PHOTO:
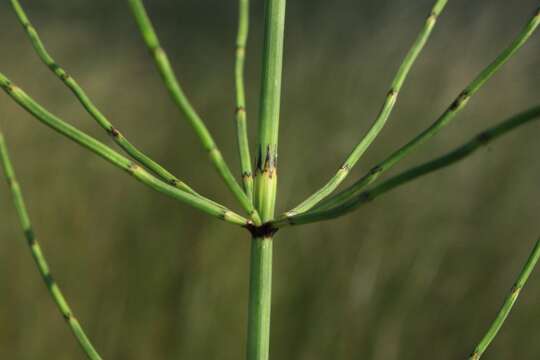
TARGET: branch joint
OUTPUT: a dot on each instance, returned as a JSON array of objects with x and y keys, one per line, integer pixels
[{"x": 266, "y": 230}]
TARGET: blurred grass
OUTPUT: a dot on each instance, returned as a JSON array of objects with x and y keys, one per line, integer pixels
[{"x": 419, "y": 272}]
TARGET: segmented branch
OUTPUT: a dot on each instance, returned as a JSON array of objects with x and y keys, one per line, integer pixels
[
  {"x": 39, "y": 258},
  {"x": 380, "y": 121},
  {"x": 455, "y": 107},
  {"x": 180, "y": 99},
  {"x": 91, "y": 108},
  {"x": 40, "y": 113},
  {"x": 508, "y": 303},
  {"x": 480, "y": 140},
  {"x": 241, "y": 114}
]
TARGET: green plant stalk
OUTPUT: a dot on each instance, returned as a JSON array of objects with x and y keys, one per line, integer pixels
[
  {"x": 241, "y": 114},
  {"x": 175, "y": 90},
  {"x": 39, "y": 258},
  {"x": 260, "y": 294},
  {"x": 40, "y": 113},
  {"x": 457, "y": 105},
  {"x": 480, "y": 140},
  {"x": 382, "y": 117},
  {"x": 508, "y": 303},
  {"x": 266, "y": 174},
  {"x": 260, "y": 299}
]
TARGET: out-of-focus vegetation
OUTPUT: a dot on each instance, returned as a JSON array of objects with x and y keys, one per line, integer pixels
[{"x": 417, "y": 274}]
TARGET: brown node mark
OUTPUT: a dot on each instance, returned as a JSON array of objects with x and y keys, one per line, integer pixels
[
  {"x": 114, "y": 132},
  {"x": 462, "y": 98}
]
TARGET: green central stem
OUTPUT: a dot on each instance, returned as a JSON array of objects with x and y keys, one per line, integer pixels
[
  {"x": 260, "y": 299},
  {"x": 260, "y": 291}
]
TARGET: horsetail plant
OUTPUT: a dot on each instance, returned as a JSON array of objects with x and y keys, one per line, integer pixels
[{"x": 257, "y": 192}]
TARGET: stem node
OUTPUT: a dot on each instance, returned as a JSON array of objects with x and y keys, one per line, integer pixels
[{"x": 266, "y": 230}]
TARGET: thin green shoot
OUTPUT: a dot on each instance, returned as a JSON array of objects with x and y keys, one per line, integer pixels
[
  {"x": 508, "y": 303},
  {"x": 241, "y": 112},
  {"x": 41, "y": 263}
]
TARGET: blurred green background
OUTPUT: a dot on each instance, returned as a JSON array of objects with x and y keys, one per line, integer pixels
[{"x": 418, "y": 274}]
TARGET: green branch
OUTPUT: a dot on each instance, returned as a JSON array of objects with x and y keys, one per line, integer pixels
[
  {"x": 175, "y": 90},
  {"x": 241, "y": 115},
  {"x": 39, "y": 258},
  {"x": 91, "y": 108},
  {"x": 40, "y": 113},
  {"x": 457, "y": 105},
  {"x": 409, "y": 175},
  {"x": 508, "y": 303},
  {"x": 383, "y": 116}
]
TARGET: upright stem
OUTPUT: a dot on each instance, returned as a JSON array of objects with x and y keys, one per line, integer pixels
[
  {"x": 260, "y": 299},
  {"x": 260, "y": 293},
  {"x": 266, "y": 175}
]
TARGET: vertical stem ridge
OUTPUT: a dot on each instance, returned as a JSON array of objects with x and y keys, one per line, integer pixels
[
  {"x": 39, "y": 258},
  {"x": 241, "y": 113}
]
